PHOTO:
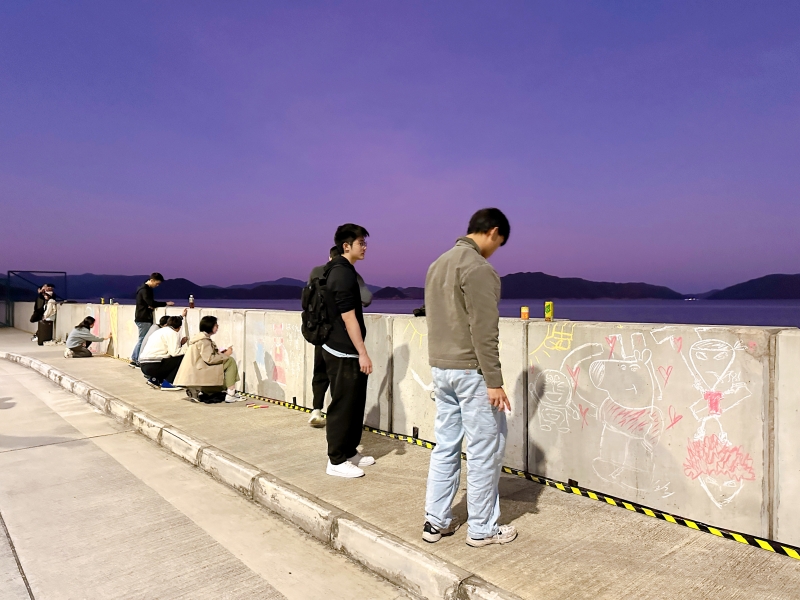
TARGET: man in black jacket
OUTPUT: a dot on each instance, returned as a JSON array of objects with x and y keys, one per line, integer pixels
[
  {"x": 145, "y": 305},
  {"x": 319, "y": 378},
  {"x": 346, "y": 358}
]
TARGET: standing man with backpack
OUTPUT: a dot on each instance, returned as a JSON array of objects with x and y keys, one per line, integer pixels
[
  {"x": 145, "y": 307},
  {"x": 319, "y": 379},
  {"x": 333, "y": 318},
  {"x": 462, "y": 292}
]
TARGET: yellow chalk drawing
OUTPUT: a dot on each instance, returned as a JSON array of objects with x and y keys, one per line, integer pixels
[
  {"x": 416, "y": 333},
  {"x": 558, "y": 339}
]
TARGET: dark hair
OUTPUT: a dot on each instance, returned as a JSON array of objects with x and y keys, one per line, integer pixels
[
  {"x": 334, "y": 253},
  {"x": 156, "y": 276},
  {"x": 347, "y": 234},
  {"x": 162, "y": 322},
  {"x": 48, "y": 285},
  {"x": 207, "y": 324},
  {"x": 175, "y": 322},
  {"x": 87, "y": 323},
  {"x": 487, "y": 219}
]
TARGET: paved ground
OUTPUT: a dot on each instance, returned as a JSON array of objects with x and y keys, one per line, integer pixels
[
  {"x": 96, "y": 511},
  {"x": 568, "y": 546}
]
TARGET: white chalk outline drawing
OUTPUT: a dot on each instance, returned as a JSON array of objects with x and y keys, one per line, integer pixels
[
  {"x": 711, "y": 455},
  {"x": 631, "y": 425},
  {"x": 553, "y": 392}
]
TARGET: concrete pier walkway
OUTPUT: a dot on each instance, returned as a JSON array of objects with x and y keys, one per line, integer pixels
[{"x": 568, "y": 546}]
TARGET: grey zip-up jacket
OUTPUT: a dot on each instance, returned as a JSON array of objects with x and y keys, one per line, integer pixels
[{"x": 462, "y": 292}]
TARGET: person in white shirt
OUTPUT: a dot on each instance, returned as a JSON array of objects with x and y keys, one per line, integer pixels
[
  {"x": 162, "y": 322},
  {"x": 163, "y": 354},
  {"x": 44, "y": 332}
]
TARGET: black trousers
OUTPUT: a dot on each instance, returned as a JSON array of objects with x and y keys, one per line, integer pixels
[
  {"x": 346, "y": 413},
  {"x": 164, "y": 370},
  {"x": 44, "y": 332},
  {"x": 319, "y": 381}
]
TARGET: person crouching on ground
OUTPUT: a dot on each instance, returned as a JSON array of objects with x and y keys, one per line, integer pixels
[
  {"x": 346, "y": 358},
  {"x": 462, "y": 292},
  {"x": 208, "y": 369},
  {"x": 162, "y": 356},
  {"x": 80, "y": 338},
  {"x": 319, "y": 378}
]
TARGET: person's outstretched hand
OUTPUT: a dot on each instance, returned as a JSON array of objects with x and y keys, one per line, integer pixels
[{"x": 185, "y": 312}]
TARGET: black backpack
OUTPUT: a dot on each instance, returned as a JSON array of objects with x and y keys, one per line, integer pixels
[{"x": 317, "y": 323}]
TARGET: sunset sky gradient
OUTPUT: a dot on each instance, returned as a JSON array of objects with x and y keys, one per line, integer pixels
[{"x": 225, "y": 141}]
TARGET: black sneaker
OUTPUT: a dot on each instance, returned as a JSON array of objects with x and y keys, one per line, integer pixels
[
  {"x": 133, "y": 364},
  {"x": 431, "y": 534},
  {"x": 154, "y": 383},
  {"x": 214, "y": 398}
]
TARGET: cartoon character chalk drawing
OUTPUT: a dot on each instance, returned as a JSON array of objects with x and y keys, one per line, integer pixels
[
  {"x": 553, "y": 391},
  {"x": 721, "y": 468},
  {"x": 710, "y": 362},
  {"x": 632, "y": 424}
]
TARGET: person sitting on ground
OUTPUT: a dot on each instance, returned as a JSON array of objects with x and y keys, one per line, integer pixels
[
  {"x": 207, "y": 369},
  {"x": 80, "y": 338},
  {"x": 163, "y": 355},
  {"x": 319, "y": 378}
]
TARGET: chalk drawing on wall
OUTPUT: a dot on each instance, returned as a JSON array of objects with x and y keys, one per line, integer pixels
[
  {"x": 631, "y": 421},
  {"x": 712, "y": 459},
  {"x": 558, "y": 339},
  {"x": 553, "y": 392}
]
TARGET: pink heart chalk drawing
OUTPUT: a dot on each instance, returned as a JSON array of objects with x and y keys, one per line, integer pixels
[
  {"x": 673, "y": 417},
  {"x": 752, "y": 345},
  {"x": 677, "y": 343},
  {"x": 665, "y": 373},
  {"x": 574, "y": 375},
  {"x": 611, "y": 340}
]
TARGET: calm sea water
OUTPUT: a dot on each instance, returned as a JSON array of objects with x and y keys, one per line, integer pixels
[{"x": 784, "y": 313}]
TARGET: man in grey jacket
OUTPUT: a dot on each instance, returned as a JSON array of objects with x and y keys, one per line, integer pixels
[{"x": 462, "y": 292}]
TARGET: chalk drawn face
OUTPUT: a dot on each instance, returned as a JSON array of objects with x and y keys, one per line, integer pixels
[
  {"x": 553, "y": 388},
  {"x": 721, "y": 490},
  {"x": 628, "y": 382},
  {"x": 712, "y": 359}
]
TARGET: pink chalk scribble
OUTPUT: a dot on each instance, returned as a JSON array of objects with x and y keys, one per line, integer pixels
[
  {"x": 713, "y": 398},
  {"x": 584, "y": 412},
  {"x": 666, "y": 373},
  {"x": 712, "y": 457},
  {"x": 673, "y": 417},
  {"x": 633, "y": 421},
  {"x": 612, "y": 343},
  {"x": 574, "y": 376}
]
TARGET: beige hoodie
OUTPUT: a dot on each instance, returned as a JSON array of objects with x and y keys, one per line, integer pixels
[
  {"x": 462, "y": 292},
  {"x": 202, "y": 365}
]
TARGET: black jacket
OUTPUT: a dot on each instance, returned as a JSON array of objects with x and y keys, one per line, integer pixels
[
  {"x": 345, "y": 295},
  {"x": 145, "y": 303}
]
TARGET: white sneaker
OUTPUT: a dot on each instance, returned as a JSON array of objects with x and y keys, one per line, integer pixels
[
  {"x": 346, "y": 469},
  {"x": 68, "y": 353},
  {"x": 316, "y": 420},
  {"x": 361, "y": 461},
  {"x": 50, "y": 343},
  {"x": 232, "y": 397},
  {"x": 506, "y": 534}
]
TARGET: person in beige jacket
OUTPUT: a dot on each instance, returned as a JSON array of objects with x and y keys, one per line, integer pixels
[{"x": 208, "y": 369}]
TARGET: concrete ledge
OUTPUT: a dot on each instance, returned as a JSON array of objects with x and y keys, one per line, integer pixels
[
  {"x": 475, "y": 588},
  {"x": 120, "y": 410},
  {"x": 82, "y": 389},
  {"x": 399, "y": 562},
  {"x": 148, "y": 426},
  {"x": 97, "y": 399},
  {"x": 310, "y": 514},
  {"x": 181, "y": 444},
  {"x": 228, "y": 469}
]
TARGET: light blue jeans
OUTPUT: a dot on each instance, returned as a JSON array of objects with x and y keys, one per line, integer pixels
[
  {"x": 462, "y": 408},
  {"x": 143, "y": 329}
]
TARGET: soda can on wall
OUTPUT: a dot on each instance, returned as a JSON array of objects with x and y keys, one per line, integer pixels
[
  {"x": 524, "y": 313},
  {"x": 548, "y": 311}
]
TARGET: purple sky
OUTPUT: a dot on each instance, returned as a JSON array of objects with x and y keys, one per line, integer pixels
[{"x": 225, "y": 141}]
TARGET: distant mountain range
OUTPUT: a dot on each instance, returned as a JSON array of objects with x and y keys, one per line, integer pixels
[{"x": 514, "y": 286}]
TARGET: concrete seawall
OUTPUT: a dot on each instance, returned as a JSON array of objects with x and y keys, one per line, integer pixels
[{"x": 696, "y": 421}]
